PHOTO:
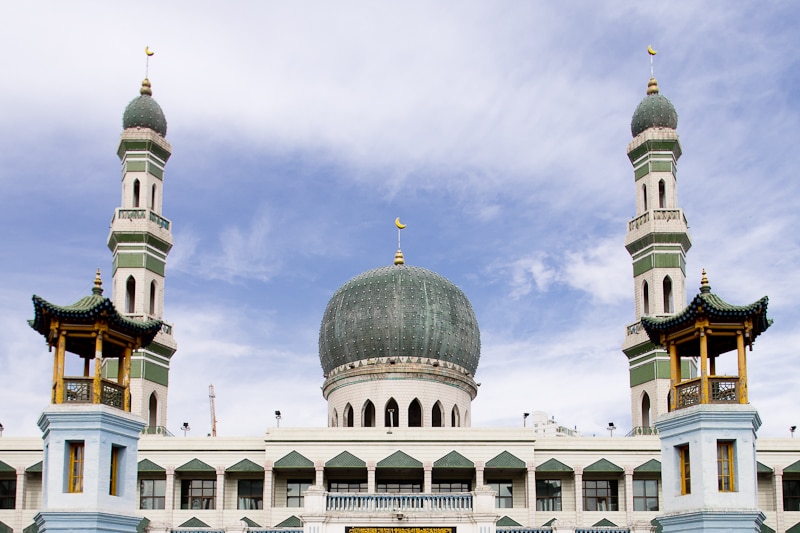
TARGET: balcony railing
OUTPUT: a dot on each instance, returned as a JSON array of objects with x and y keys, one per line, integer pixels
[
  {"x": 142, "y": 214},
  {"x": 722, "y": 389},
  {"x": 642, "y": 430},
  {"x": 157, "y": 430},
  {"x": 524, "y": 530},
  {"x": 658, "y": 214},
  {"x": 399, "y": 502},
  {"x": 80, "y": 390}
]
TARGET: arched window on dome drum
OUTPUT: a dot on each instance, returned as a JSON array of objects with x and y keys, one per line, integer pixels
[
  {"x": 153, "y": 198},
  {"x": 644, "y": 195},
  {"x": 437, "y": 415},
  {"x": 645, "y": 410},
  {"x": 335, "y": 419},
  {"x": 136, "y": 193},
  {"x": 645, "y": 298},
  {"x": 415, "y": 414},
  {"x": 153, "y": 298},
  {"x": 348, "y": 416},
  {"x": 662, "y": 195},
  {"x": 152, "y": 411},
  {"x": 667, "y": 294},
  {"x": 391, "y": 414},
  {"x": 368, "y": 415},
  {"x": 455, "y": 417},
  {"x": 130, "y": 295}
]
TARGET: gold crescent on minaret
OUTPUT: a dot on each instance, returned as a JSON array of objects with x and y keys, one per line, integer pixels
[
  {"x": 650, "y": 50},
  {"x": 148, "y": 51},
  {"x": 399, "y": 224}
]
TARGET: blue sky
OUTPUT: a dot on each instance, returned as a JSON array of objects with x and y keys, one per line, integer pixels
[{"x": 496, "y": 130}]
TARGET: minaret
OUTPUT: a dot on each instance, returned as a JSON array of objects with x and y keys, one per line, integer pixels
[
  {"x": 140, "y": 239},
  {"x": 657, "y": 240}
]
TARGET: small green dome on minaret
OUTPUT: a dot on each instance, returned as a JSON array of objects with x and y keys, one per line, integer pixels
[
  {"x": 654, "y": 111},
  {"x": 144, "y": 112}
]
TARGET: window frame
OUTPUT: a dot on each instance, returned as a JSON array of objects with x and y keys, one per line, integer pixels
[
  {"x": 450, "y": 486},
  {"x": 404, "y": 486},
  {"x": 77, "y": 458},
  {"x": 726, "y": 465},
  {"x": 502, "y": 500},
  {"x": 152, "y": 496},
  {"x": 597, "y": 491},
  {"x": 8, "y": 493},
  {"x": 113, "y": 476},
  {"x": 791, "y": 495},
  {"x": 640, "y": 502},
  {"x": 188, "y": 489},
  {"x": 685, "y": 468},
  {"x": 297, "y": 500},
  {"x": 548, "y": 499},
  {"x": 253, "y": 497}
]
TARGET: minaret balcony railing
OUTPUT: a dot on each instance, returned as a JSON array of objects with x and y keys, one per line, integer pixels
[
  {"x": 657, "y": 214},
  {"x": 165, "y": 327},
  {"x": 141, "y": 214},
  {"x": 80, "y": 390},
  {"x": 722, "y": 389},
  {"x": 367, "y": 503}
]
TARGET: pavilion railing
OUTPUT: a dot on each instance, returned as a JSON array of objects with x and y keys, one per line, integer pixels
[
  {"x": 349, "y": 502},
  {"x": 81, "y": 390},
  {"x": 722, "y": 389}
]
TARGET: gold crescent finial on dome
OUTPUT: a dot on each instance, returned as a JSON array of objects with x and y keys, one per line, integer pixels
[{"x": 398, "y": 257}]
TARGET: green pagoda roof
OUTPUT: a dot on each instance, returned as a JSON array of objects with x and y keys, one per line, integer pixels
[
  {"x": 194, "y": 522},
  {"x": 553, "y": 465},
  {"x": 653, "y": 465},
  {"x": 146, "y": 465},
  {"x": 506, "y": 521},
  {"x": 709, "y": 305},
  {"x": 195, "y": 465},
  {"x": 89, "y": 310},
  {"x": 604, "y": 466}
]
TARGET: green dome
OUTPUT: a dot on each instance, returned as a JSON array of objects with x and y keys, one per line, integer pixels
[
  {"x": 399, "y": 311},
  {"x": 655, "y": 111},
  {"x": 144, "y": 112}
]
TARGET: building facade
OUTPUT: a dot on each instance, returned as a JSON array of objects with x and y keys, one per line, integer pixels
[{"x": 399, "y": 347}]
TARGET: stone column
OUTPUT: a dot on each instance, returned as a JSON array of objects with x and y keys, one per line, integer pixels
[
  {"x": 428, "y": 477},
  {"x": 629, "y": 494},
  {"x": 220, "y": 496},
  {"x": 371, "y": 477},
  {"x": 530, "y": 485},
  {"x": 169, "y": 491},
  {"x": 267, "y": 496},
  {"x": 20, "y": 496},
  {"x": 319, "y": 474},
  {"x": 579, "y": 496},
  {"x": 778, "y": 480},
  {"x": 479, "y": 467}
]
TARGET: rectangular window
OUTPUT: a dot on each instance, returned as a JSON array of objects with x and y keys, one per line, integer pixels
[
  {"x": 294, "y": 492},
  {"x": 645, "y": 495},
  {"x": 198, "y": 494},
  {"x": 76, "y": 458},
  {"x": 450, "y": 486},
  {"x": 251, "y": 494},
  {"x": 399, "y": 487},
  {"x": 504, "y": 491},
  {"x": 548, "y": 494},
  {"x": 600, "y": 495},
  {"x": 8, "y": 493},
  {"x": 791, "y": 494},
  {"x": 685, "y": 466},
  {"x": 151, "y": 493},
  {"x": 725, "y": 466},
  {"x": 114, "y": 474},
  {"x": 346, "y": 486}
]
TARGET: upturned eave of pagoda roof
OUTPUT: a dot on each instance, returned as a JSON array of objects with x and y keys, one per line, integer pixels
[
  {"x": 90, "y": 310},
  {"x": 713, "y": 308}
]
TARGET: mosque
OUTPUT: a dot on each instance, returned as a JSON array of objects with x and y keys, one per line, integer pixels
[{"x": 399, "y": 346}]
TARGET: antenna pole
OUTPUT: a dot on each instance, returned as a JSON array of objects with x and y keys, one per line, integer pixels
[{"x": 211, "y": 397}]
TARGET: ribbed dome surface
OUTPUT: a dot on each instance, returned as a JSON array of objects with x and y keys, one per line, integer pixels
[
  {"x": 654, "y": 111},
  {"x": 144, "y": 112},
  {"x": 399, "y": 311}
]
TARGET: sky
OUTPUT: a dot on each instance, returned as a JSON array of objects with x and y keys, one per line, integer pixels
[{"x": 496, "y": 131}]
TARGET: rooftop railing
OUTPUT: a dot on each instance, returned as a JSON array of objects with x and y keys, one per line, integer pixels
[{"x": 356, "y": 502}]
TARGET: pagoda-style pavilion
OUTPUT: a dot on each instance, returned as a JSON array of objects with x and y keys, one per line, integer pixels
[
  {"x": 707, "y": 328},
  {"x": 91, "y": 328}
]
